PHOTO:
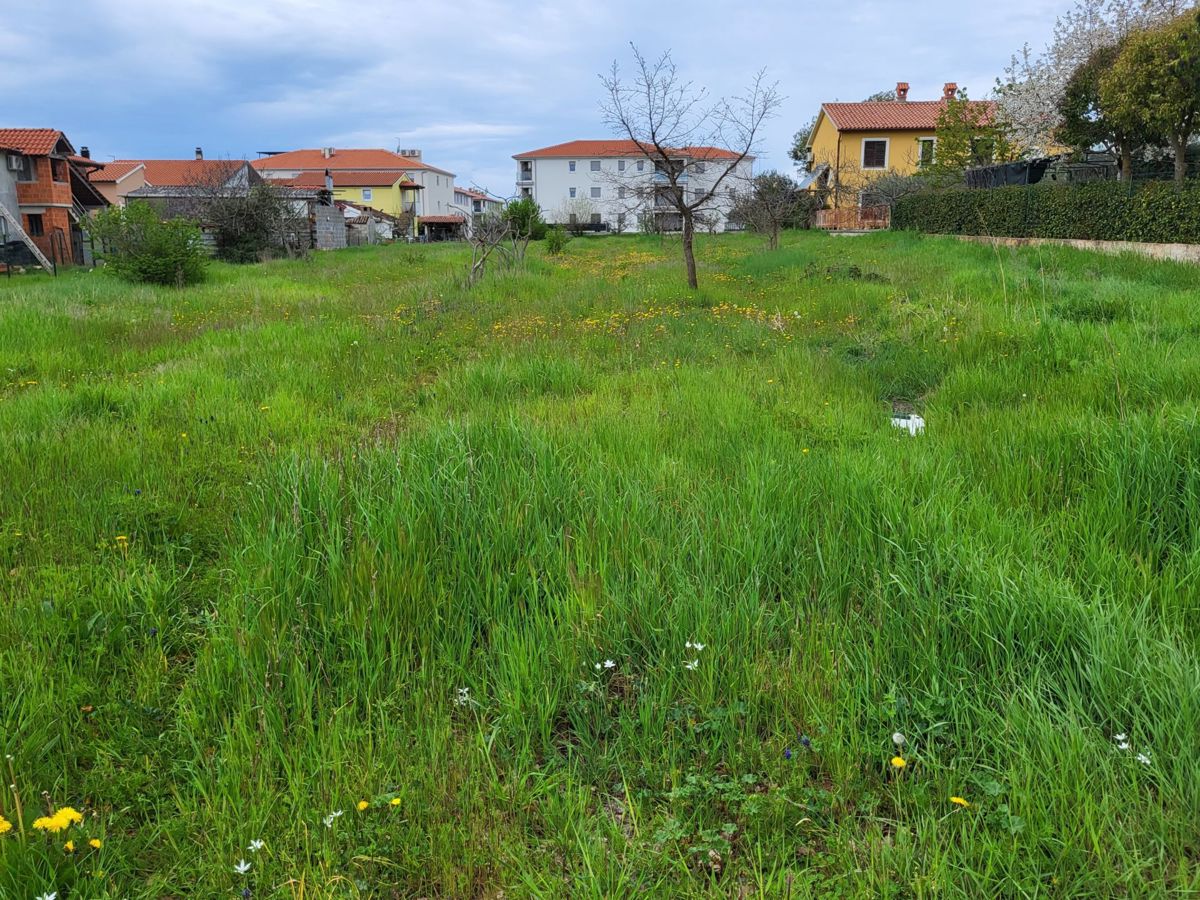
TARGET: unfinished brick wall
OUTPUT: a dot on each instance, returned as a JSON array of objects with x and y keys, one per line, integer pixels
[{"x": 54, "y": 199}]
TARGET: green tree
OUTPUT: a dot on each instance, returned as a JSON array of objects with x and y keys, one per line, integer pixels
[
  {"x": 1154, "y": 85},
  {"x": 1083, "y": 123},
  {"x": 968, "y": 135},
  {"x": 800, "y": 152},
  {"x": 138, "y": 246}
]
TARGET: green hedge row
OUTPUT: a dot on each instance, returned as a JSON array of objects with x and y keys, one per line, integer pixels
[{"x": 1102, "y": 211}]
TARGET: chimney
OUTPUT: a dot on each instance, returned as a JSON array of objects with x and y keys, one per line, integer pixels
[
  {"x": 199, "y": 153},
  {"x": 85, "y": 152},
  {"x": 901, "y": 91},
  {"x": 949, "y": 90},
  {"x": 328, "y": 181},
  {"x": 327, "y": 152}
]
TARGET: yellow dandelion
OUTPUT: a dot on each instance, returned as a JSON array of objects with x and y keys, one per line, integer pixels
[
  {"x": 805, "y": 450},
  {"x": 70, "y": 815},
  {"x": 362, "y": 804},
  {"x": 69, "y": 846},
  {"x": 395, "y": 801},
  {"x": 5, "y": 825},
  {"x": 959, "y": 801},
  {"x": 95, "y": 843},
  {"x": 48, "y": 823},
  {"x": 898, "y": 762}
]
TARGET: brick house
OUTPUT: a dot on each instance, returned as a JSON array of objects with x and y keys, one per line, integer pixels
[{"x": 45, "y": 193}]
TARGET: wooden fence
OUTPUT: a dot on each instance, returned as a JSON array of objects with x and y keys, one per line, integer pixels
[{"x": 866, "y": 218}]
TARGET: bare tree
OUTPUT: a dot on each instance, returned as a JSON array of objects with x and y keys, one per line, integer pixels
[
  {"x": 772, "y": 202},
  {"x": 489, "y": 236},
  {"x": 679, "y": 128},
  {"x": 576, "y": 214}
]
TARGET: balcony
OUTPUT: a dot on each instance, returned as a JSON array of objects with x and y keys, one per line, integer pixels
[
  {"x": 525, "y": 176},
  {"x": 661, "y": 178}
]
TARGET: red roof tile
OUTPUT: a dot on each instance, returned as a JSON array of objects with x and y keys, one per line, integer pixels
[
  {"x": 32, "y": 141},
  {"x": 610, "y": 148},
  {"x": 352, "y": 178},
  {"x": 342, "y": 159},
  {"x": 114, "y": 171},
  {"x": 442, "y": 220},
  {"x": 891, "y": 115}
]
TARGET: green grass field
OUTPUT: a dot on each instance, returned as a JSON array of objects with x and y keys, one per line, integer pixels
[{"x": 337, "y": 533}]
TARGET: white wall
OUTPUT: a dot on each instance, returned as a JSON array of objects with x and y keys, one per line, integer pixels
[
  {"x": 553, "y": 179},
  {"x": 8, "y": 186}
]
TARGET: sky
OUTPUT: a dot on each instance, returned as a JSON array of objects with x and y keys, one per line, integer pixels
[{"x": 468, "y": 83}]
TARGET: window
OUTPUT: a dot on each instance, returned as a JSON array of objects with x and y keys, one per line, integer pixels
[
  {"x": 595, "y": 218},
  {"x": 698, "y": 168},
  {"x": 368, "y": 193},
  {"x": 525, "y": 192},
  {"x": 34, "y": 221},
  {"x": 641, "y": 165},
  {"x": 620, "y": 221},
  {"x": 571, "y": 166},
  {"x": 595, "y": 165},
  {"x": 621, "y": 193},
  {"x": 874, "y": 153},
  {"x": 620, "y": 165},
  {"x": 925, "y": 149},
  {"x": 573, "y": 190},
  {"x": 27, "y": 170},
  {"x": 596, "y": 193},
  {"x": 58, "y": 169}
]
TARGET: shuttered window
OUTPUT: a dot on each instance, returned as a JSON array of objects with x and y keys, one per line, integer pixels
[{"x": 874, "y": 154}]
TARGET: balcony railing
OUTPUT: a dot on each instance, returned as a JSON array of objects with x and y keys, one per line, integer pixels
[{"x": 524, "y": 176}]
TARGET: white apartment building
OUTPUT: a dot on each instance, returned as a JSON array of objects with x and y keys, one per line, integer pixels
[{"x": 611, "y": 185}]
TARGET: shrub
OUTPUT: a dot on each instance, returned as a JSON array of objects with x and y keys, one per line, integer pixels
[
  {"x": 138, "y": 246},
  {"x": 1104, "y": 211},
  {"x": 250, "y": 225},
  {"x": 556, "y": 239},
  {"x": 524, "y": 217}
]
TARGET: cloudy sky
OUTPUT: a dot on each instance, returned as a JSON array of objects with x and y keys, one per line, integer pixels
[{"x": 470, "y": 82}]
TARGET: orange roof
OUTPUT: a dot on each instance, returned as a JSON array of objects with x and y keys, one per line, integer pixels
[
  {"x": 357, "y": 160},
  {"x": 32, "y": 141},
  {"x": 442, "y": 220},
  {"x": 172, "y": 172},
  {"x": 112, "y": 172},
  {"x": 891, "y": 115},
  {"x": 352, "y": 178},
  {"x": 474, "y": 195},
  {"x": 609, "y": 148}
]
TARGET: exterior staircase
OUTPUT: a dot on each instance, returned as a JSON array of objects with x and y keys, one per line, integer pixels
[{"x": 15, "y": 230}]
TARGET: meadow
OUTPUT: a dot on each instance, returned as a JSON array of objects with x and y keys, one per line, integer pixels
[{"x": 578, "y": 584}]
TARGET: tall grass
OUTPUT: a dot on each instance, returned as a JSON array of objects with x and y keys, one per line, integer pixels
[{"x": 330, "y": 531}]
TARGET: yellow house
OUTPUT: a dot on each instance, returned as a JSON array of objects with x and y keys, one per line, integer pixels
[
  {"x": 389, "y": 191},
  {"x": 852, "y": 144}
]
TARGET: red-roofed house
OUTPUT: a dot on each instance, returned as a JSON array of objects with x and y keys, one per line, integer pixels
[
  {"x": 44, "y": 196},
  {"x": 612, "y": 184},
  {"x": 371, "y": 176},
  {"x": 852, "y": 143}
]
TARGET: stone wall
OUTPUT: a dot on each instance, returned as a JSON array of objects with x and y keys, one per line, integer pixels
[{"x": 329, "y": 228}]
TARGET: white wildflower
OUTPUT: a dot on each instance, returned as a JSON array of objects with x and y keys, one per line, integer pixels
[
  {"x": 52, "y": 895},
  {"x": 898, "y": 739},
  {"x": 463, "y": 698},
  {"x": 255, "y": 846},
  {"x": 1124, "y": 745},
  {"x": 691, "y": 664},
  {"x": 328, "y": 820},
  {"x": 1119, "y": 738},
  {"x": 610, "y": 664},
  {"x": 693, "y": 645},
  {"x": 1143, "y": 759},
  {"x": 242, "y": 867}
]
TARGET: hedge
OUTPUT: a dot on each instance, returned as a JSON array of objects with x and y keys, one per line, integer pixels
[{"x": 1101, "y": 211}]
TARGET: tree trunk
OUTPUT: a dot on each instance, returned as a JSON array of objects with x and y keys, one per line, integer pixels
[
  {"x": 689, "y": 256},
  {"x": 1126, "y": 160},
  {"x": 1179, "y": 148}
]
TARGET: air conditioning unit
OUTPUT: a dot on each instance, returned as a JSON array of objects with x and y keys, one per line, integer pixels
[{"x": 14, "y": 164}]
